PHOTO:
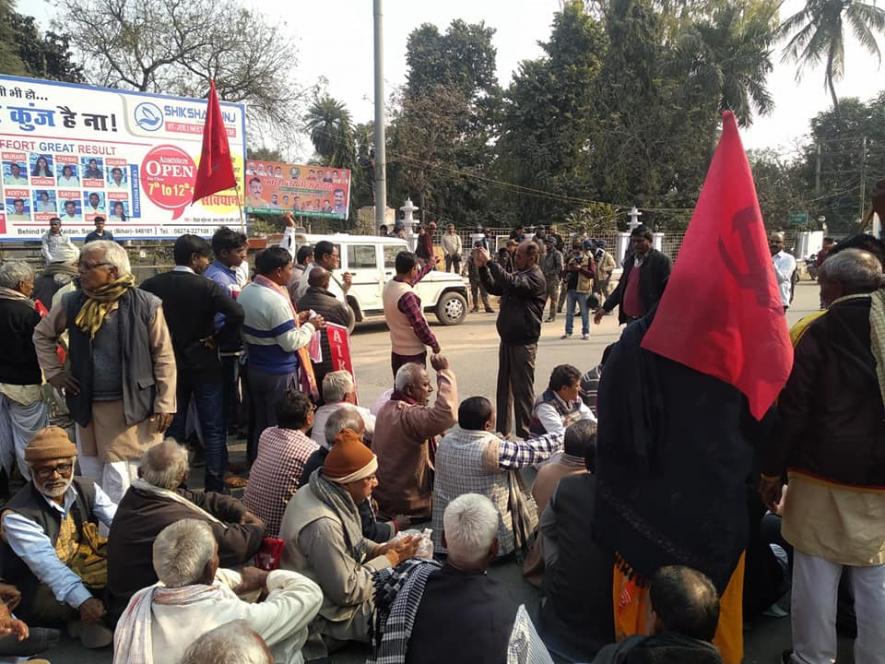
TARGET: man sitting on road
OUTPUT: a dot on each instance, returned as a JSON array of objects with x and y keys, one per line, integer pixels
[
  {"x": 410, "y": 334},
  {"x": 453, "y": 612},
  {"x": 55, "y": 559},
  {"x": 473, "y": 459},
  {"x": 158, "y": 499},
  {"x": 579, "y": 446},
  {"x": 560, "y": 405},
  {"x": 405, "y": 431},
  {"x": 324, "y": 540},
  {"x": 282, "y": 452},
  {"x": 685, "y": 606},
  {"x": 339, "y": 391},
  {"x": 194, "y": 596}
]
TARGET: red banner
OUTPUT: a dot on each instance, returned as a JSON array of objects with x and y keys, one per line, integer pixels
[{"x": 339, "y": 348}]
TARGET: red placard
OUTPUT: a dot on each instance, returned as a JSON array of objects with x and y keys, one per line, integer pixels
[{"x": 339, "y": 349}]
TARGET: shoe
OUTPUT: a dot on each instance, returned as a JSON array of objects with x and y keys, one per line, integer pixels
[
  {"x": 475, "y": 310},
  {"x": 490, "y": 311},
  {"x": 91, "y": 635},
  {"x": 566, "y": 335},
  {"x": 585, "y": 337},
  {"x": 787, "y": 656}
]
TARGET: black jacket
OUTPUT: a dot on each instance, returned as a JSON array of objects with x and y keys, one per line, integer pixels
[
  {"x": 18, "y": 359},
  {"x": 190, "y": 304},
  {"x": 523, "y": 295},
  {"x": 664, "y": 648},
  {"x": 653, "y": 275},
  {"x": 831, "y": 421}
]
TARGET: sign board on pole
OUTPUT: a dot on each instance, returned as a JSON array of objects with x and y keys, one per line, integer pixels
[
  {"x": 310, "y": 191},
  {"x": 76, "y": 152},
  {"x": 798, "y": 218}
]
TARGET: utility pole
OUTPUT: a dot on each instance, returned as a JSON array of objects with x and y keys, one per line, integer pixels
[
  {"x": 863, "y": 177},
  {"x": 817, "y": 173},
  {"x": 380, "y": 147}
]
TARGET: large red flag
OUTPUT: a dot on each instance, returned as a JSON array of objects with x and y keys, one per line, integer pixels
[
  {"x": 721, "y": 313},
  {"x": 216, "y": 170}
]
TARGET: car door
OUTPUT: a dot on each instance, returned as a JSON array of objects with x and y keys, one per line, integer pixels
[{"x": 363, "y": 263}]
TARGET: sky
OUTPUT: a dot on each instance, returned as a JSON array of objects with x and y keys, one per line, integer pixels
[{"x": 335, "y": 42}]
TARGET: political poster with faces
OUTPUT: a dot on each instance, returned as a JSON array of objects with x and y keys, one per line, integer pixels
[{"x": 77, "y": 152}]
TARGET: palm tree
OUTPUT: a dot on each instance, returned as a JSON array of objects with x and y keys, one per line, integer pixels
[
  {"x": 819, "y": 35},
  {"x": 331, "y": 131},
  {"x": 731, "y": 53}
]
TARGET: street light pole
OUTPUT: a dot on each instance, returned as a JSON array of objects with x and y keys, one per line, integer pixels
[{"x": 380, "y": 147}]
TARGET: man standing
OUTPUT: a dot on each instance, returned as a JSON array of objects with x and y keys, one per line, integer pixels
[
  {"x": 326, "y": 256},
  {"x": 451, "y": 244},
  {"x": 99, "y": 233},
  {"x": 229, "y": 247},
  {"x": 552, "y": 266},
  {"x": 578, "y": 282},
  {"x": 605, "y": 266},
  {"x": 409, "y": 332},
  {"x": 56, "y": 246},
  {"x": 22, "y": 409},
  {"x": 642, "y": 282},
  {"x": 120, "y": 389},
  {"x": 476, "y": 286},
  {"x": 191, "y": 303},
  {"x": 523, "y": 294},
  {"x": 272, "y": 338},
  {"x": 828, "y": 441},
  {"x": 784, "y": 267},
  {"x": 424, "y": 248}
]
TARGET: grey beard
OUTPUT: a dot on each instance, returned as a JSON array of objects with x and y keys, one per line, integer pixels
[{"x": 55, "y": 493}]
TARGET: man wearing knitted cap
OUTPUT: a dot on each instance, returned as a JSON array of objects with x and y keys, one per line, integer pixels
[
  {"x": 120, "y": 389},
  {"x": 324, "y": 540},
  {"x": 51, "y": 544}
]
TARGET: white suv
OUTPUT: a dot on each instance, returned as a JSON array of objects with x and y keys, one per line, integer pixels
[{"x": 370, "y": 261}]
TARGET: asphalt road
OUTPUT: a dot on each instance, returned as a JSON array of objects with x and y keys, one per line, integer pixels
[{"x": 472, "y": 351}]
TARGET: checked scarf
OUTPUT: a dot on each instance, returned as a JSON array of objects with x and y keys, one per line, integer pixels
[
  {"x": 398, "y": 593},
  {"x": 99, "y": 302}
]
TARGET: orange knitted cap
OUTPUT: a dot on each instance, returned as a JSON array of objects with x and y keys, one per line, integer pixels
[
  {"x": 349, "y": 459},
  {"x": 50, "y": 443}
]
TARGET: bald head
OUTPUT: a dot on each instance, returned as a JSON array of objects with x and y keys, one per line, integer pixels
[
  {"x": 685, "y": 601},
  {"x": 318, "y": 278},
  {"x": 165, "y": 465},
  {"x": 526, "y": 255}
]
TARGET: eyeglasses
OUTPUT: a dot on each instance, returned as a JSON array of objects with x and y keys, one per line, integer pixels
[{"x": 44, "y": 473}]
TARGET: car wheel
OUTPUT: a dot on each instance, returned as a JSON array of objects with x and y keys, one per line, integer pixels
[{"x": 451, "y": 309}]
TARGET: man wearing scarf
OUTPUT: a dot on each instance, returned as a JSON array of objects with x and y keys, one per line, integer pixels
[
  {"x": 276, "y": 340},
  {"x": 23, "y": 411},
  {"x": 324, "y": 541},
  {"x": 829, "y": 442},
  {"x": 120, "y": 389},
  {"x": 194, "y": 596}
]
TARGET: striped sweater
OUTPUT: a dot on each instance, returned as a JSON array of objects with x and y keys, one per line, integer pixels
[{"x": 269, "y": 330}]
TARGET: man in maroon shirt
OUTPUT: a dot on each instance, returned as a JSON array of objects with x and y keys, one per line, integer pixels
[{"x": 642, "y": 283}]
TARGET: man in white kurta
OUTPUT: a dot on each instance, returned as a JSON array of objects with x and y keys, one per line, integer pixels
[{"x": 161, "y": 622}]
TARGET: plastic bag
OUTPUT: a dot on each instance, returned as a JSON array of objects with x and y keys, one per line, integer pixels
[{"x": 425, "y": 546}]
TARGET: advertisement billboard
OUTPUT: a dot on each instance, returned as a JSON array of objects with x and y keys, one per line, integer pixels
[
  {"x": 75, "y": 152},
  {"x": 310, "y": 191}
]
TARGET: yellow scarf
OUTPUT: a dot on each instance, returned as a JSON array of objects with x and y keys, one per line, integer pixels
[{"x": 99, "y": 303}]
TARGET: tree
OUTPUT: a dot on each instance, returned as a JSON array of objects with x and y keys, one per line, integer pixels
[
  {"x": 547, "y": 119},
  {"x": 731, "y": 53},
  {"x": 329, "y": 125},
  {"x": 444, "y": 123},
  {"x": 175, "y": 47},
  {"x": 818, "y": 34},
  {"x": 10, "y": 62},
  {"x": 780, "y": 187},
  {"x": 48, "y": 56},
  {"x": 264, "y": 154}
]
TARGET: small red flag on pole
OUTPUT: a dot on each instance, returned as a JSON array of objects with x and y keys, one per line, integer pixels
[
  {"x": 216, "y": 170},
  {"x": 721, "y": 313}
]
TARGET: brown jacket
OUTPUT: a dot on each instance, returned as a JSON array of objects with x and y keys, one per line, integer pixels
[{"x": 402, "y": 443}]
